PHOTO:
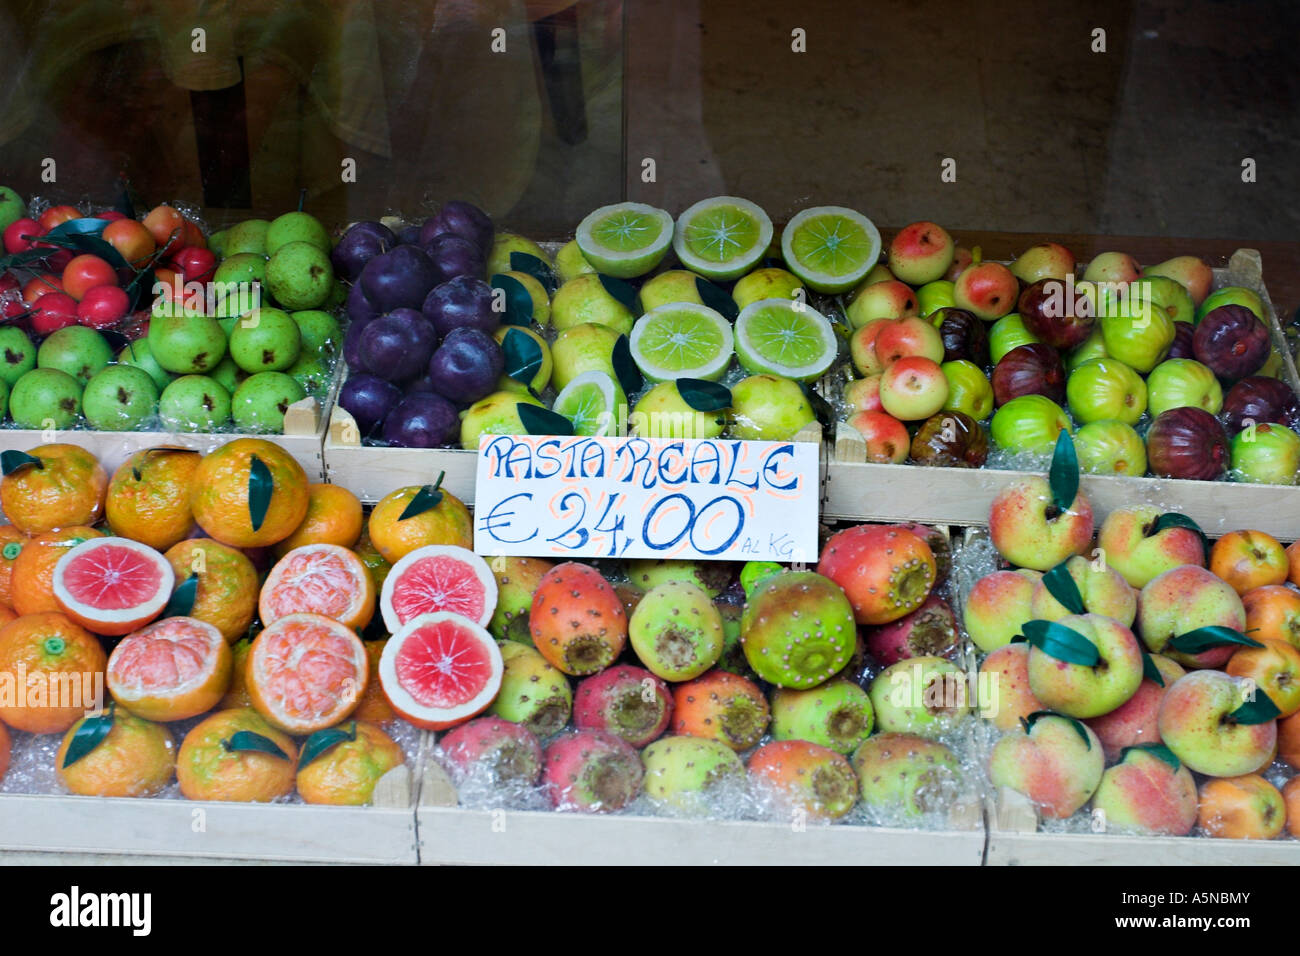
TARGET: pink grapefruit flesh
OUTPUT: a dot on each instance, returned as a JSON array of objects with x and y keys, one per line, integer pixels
[
  {"x": 438, "y": 578},
  {"x": 113, "y": 586},
  {"x": 441, "y": 669}
]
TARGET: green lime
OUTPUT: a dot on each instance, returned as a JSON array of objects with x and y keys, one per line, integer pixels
[
  {"x": 785, "y": 338},
  {"x": 592, "y": 402},
  {"x": 625, "y": 240},
  {"x": 682, "y": 340},
  {"x": 723, "y": 237},
  {"x": 831, "y": 248}
]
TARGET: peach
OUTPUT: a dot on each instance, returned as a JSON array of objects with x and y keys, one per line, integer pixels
[
  {"x": 904, "y": 338},
  {"x": 1273, "y": 614},
  {"x": 166, "y": 225},
  {"x": 1079, "y": 690},
  {"x": 1275, "y": 669},
  {"x": 131, "y": 239},
  {"x": 1249, "y": 559},
  {"x": 1133, "y": 722},
  {"x": 1201, "y": 720},
  {"x": 863, "y": 394},
  {"x": 1182, "y": 600},
  {"x": 1030, "y": 531},
  {"x": 1005, "y": 677},
  {"x": 1057, "y": 764},
  {"x": 1291, "y": 796},
  {"x": 1104, "y": 591},
  {"x": 886, "y": 437},
  {"x": 1148, "y": 794},
  {"x": 1242, "y": 808},
  {"x": 1288, "y": 741},
  {"x": 1293, "y": 563},
  {"x": 889, "y": 299},
  {"x": 921, "y": 253},
  {"x": 998, "y": 607},
  {"x": 1130, "y": 544}
]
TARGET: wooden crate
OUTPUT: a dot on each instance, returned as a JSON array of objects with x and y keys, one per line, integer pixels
[
  {"x": 961, "y": 496},
  {"x": 304, "y": 434}
]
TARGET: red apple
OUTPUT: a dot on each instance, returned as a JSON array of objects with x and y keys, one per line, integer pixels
[
  {"x": 913, "y": 388},
  {"x": 57, "y": 215},
  {"x": 195, "y": 264},
  {"x": 1116, "y": 267},
  {"x": 103, "y": 307},
  {"x": 886, "y": 437},
  {"x": 987, "y": 289},
  {"x": 15, "y": 232},
  {"x": 53, "y": 311},
  {"x": 902, "y": 338}
]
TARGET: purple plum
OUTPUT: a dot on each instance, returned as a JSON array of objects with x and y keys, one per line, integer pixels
[
  {"x": 460, "y": 219},
  {"x": 455, "y": 256},
  {"x": 461, "y": 303},
  {"x": 368, "y": 399},
  {"x": 396, "y": 346},
  {"x": 358, "y": 306},
  {"x": 352, "y": 343},
  {"x": 409, "y": 235},
  {"x": 422, "y": 420},
  {"x": 398, "y": 279},
  {"x": 358, "y": 246},
  {"x": 467, "y": 365}
]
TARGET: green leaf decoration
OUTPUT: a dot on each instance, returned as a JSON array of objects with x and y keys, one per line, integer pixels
[
  {"x": 629, "y": 376},
  {"x": 1155, "y": 750},
  {"x": 1028, "y": 724},
  {"x": 1205, "y": 638},
  {"x": 11, "y": 461},
  {"x": 535, "y": 267},
  {"x": 704, "y": 396},
  {"x": 89, "y": 735},
  {"x": 22, "y": 258},
  {"x": 543, "y": 421},
  {"x": 822, "y": 410},
  {"x": 1065, "y": 644},
  {"x": 1150, "y": 671},
  {"x": 426, "y": 498},
  {"x": 522, "y": 354},
  {"x": 1063, "y": 477},
  {"x": 1258, "y": 711},
  {"x": 717, "y": 299},
  {"x": 181, "y": 603},
  {"x": 124, "y": 205},
  {"x": 76, "y": 227},
  {"x": 623, "y": 291},
  {"x": 141, "y": 287},
  {"x": 247, "y": 740},
  {"x": 519, "y": 304},
  {"x": 324, "y": 740},
  {"x": 1172, "y": 519},
  {"x": 260, "y": 487},
  {"x": 1061, "y": 585}
]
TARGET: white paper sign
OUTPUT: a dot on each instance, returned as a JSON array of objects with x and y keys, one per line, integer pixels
[{"x": 575, "y": 497}]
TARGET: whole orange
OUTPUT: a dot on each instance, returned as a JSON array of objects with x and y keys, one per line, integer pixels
[
  {"x": 66, "y": 488},
  {"x": 214, "y": 765},
  {"x": 54, "y": 669},
  {"x": 220, "y": 495},
  {"x": 227, "y": 589},
  {"x": 32, "y": 581},
  {"x": 148, "y": 498},
  {"x": 346, "y": 774},
  {"x": 11, "y": 545},
  {"x": 136, "y": 759},
  {"x": 447, "y": 522},
  {"x": 333, "y": 517}
]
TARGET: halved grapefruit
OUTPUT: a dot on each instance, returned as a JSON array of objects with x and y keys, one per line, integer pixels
[
  {"x": 320, "y": 579},
  {"x": 438, "y": 578},
  {"x": 306, "y": 672},
  {"x": 172, "y": 670},
  {"x": 439, "y": 670},
  {"x": 113, "y": 586}
]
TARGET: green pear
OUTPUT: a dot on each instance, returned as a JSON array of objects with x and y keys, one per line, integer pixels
[
  {"x": 186, "y": 343},
  {"x": 247, "y": 237},
  {"x": 119, "y": 398},
  {"x": 194, "y": 403},
  {"x": 260, "y": 403},
  {"x": 299, "y": 276},
  {"x": 17, "y": 354},
  {"x": 45, "y": 398},
  {"x": 77, "y": 350},
  {"x": 265, "y": 340},
  {"x": 296, "y": 227}
]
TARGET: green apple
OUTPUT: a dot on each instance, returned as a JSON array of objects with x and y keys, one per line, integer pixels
[
  {"x": 194, "y": 403},
  {"x": 505, "y": 243},
  {"x": 1232, "y": 295},
  {"x": 1137, "y": 333},
  {"x": 1169, "y": 296},
  {"x": 675, "y": 285},
  {"x": 12, "y": 207},
  {"x": 17, "y": 354},
  {"x": 77, "y": 350},
  {"x": 119, "y": 398},
  {"x": 663, "y": 413},
  {"x": 1007, "y": 333},
  {"x": 584, "y": 300},
  {"x": 569, "y": 261},
  {"x": 969, "y": 389},
  {"x": 1106, "y": 390},
  {"x": 45, "y": 398},
  {"x": 1093, "y": 347},
  {"x": 583, "y": 348},
  {"x": 1110, "y": 448},
  {"x": 259, "y": 404},
  {"x": 933, "y": 296},
  {"x": 1266, "y": 454},
  {"x": 217, "y": 243},
  {"x": 768, "y": 408},
  {"x": 1178, "y": 383},
  {"x": 1029, "y": 424},
  {"x": 768, "y": 283},
  {"x": 494, "y": 415},
  {"x": 296, "y": 227}
]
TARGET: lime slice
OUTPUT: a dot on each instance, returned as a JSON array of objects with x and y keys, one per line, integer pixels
[
  {"x": 625, "y": 240},
  {"x": 831, "y": 248},
  {"x": 723, "y": 237},
  {"x": 591, "y": 401},
  {"x": 785, "y": 338},
  {"x": 682, "y": 340}
]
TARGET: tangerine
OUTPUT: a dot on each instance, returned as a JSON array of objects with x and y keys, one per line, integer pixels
[
  {"x": 222, "y": 499},
  {"x": 65, "y": 487},
  {"x": 137, "y": 758},
  {"x": 216, "y": 765},
  {"x": 447, "y": 522},
  {"x": 227, "y": 588},
  {"x": 51, "y": 673},
  {"x": 148, "y": 498}
]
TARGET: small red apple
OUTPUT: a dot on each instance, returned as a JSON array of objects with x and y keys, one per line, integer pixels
[
  {"x": 53, "y": 311},
  {"x": 103, "y": 307}
]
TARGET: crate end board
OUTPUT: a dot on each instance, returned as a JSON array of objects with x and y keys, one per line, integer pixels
[
  {"x": 1086, "y": 849},
  {"x": 452, "y": 835},
  {"x": 181, "y": 828}
]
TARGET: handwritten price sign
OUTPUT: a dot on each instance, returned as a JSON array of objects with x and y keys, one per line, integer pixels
[{"x": 571, "y": 497}]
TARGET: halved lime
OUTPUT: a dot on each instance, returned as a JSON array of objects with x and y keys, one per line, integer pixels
[
  {"x": 831, "y": 248},
  {"x": 785, "y": 338},
  {"x": 625, "y": 240},
  {"x": 723, "y": 237},
  {"x": 682, "y": 340},
  {"x": 592, "y": 401}
]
